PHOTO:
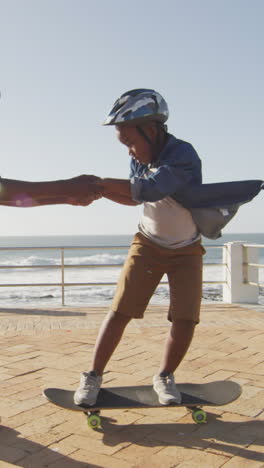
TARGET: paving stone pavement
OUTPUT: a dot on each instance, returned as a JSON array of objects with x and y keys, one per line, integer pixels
[{"x": 42, "y": 348}]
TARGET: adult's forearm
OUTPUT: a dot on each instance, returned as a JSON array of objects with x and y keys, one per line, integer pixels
[
  {"x": 10, "y": 189},
  {"x": 24, "y": 193},
  {"x": 28, "y": 202}
]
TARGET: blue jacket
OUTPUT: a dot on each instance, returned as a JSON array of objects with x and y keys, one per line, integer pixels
[{"x": 179, "y": 176}]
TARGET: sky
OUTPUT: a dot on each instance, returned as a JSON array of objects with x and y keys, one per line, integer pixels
[{"x": 63, "y": 64}]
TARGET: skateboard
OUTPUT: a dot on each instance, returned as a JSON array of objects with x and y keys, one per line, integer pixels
[{"x": 194, "y": 397}]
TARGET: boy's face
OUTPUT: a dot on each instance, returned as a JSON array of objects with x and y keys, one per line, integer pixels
[{"x": 138, "y": 147}]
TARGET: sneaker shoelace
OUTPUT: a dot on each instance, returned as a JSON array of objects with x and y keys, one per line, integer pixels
[
  {"x": 167, "y": 382},
  {"x": 89, "y": 382}
]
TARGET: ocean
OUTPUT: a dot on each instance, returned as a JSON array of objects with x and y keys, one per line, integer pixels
[{"x": 17, "y": 296}]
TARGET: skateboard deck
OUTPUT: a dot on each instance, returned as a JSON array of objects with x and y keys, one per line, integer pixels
[{"x": 143, "y": 396}]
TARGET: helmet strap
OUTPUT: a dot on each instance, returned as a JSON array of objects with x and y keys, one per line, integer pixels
[
  {"x": 158, "y": 143},
  {"x": 142, "y": 133}
]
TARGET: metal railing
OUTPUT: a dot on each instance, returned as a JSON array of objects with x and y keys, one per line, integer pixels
[{"x": 62, "y": 266}]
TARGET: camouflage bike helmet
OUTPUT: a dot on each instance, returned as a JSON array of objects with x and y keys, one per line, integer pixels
[{"x": 138, "y": 106}]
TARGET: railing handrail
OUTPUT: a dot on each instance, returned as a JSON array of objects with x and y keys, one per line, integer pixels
[
  {"x": 71, "y": 247},
  {"x": 257, "y": 265},
  {"x": 90, "y": 247},
  {"x": 258, "y": 246},
  {"x": 86, "y": 265}
]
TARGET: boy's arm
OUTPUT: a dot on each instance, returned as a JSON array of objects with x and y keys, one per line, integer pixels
[
  {"x": 117, "y": 190},
  {"x": 121, "y": 199}
]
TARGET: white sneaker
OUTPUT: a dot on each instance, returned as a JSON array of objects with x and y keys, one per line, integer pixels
[
  {"x": 166, "y": 389},
  {"x": 88, "y": 389}
]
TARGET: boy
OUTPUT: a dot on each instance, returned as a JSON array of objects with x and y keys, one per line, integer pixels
[{"x": 168, "y": 240}]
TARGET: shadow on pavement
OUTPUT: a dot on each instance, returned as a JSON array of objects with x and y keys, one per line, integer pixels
[
  {"x": 226, "y": 437},
  {"x": 22, "y": 452},
  {"x": 53, "y": 313}
]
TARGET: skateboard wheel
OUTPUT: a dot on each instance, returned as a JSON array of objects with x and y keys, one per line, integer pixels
[
  {"x": 199, "y": 416},
  {"x": 94, "y": 421}
]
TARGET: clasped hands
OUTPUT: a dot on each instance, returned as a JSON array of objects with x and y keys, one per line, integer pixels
[{"x": 84, "y": 189}]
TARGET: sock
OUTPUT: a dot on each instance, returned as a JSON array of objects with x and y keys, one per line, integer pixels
[{"x": 164, "y": 374}]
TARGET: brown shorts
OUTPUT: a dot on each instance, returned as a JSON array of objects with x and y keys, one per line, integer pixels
[{"x": 143, "y": 269}]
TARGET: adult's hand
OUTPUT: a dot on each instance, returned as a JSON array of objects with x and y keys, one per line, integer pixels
[
  {"x": 83, "y": 187},
  {"x": 86, "y": 179},
  {"x": 85, "y": 201}
]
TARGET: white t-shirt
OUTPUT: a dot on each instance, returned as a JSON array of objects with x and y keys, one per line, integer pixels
[{"x": 167, "y": 223}]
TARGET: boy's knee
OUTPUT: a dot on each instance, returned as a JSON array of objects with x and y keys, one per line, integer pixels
[
  {"x": 181, "y": 326},
  {"x": 184, "y": 323},
  {"x": 118, "y": 317}
]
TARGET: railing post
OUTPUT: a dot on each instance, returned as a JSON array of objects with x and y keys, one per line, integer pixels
[
  {"x": 62, "y": 277},
  {"x": 238, "y": 274}
]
